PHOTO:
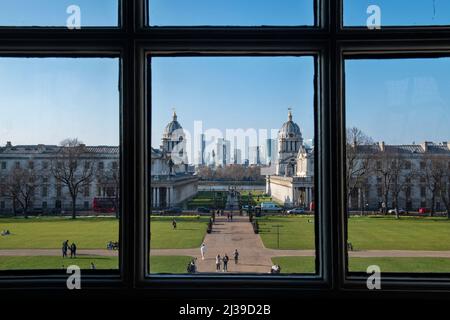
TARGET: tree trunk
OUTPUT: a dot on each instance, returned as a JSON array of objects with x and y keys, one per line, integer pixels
[
  {"x": 74, "y": 209},
  {"x": 433, "y": 204},
  {"x": 448, "y": 213}
]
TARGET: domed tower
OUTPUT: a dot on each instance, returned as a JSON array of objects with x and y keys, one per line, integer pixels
[
  {"x": 289, "y": 143},
  {"x": 173, "y": 137}
]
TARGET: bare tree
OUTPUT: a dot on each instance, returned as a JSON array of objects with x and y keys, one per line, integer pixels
[
  {"x": 434, "y": 172},
  {"x": 19, "y": 185},
  {"x": 445, "y": 193},
  {"x": 72, "y": 168},
  {"x": 358, "y": 159},
  {"x": 400, "y": 180},
  {"x": 387, "y": 170}
]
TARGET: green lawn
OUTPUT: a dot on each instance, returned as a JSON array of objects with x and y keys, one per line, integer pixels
[
  {"x": 407, "y": 233},
  {"x": 54, "y": 263},
  {"x": 296, "y": 232},
  {"x": 365, "y": 233},
  {"x": 417, "y": 265},
  {"x": 172, "y": 264},
  {"x": 49, "y": 233},
  {"x": 295, "y": 264},
  {"x": 189, "y": 233}
]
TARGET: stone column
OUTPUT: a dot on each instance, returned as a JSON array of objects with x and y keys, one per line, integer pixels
[
  {"x": 157, "y": 198},
  {"x": 168, "y": 197}
]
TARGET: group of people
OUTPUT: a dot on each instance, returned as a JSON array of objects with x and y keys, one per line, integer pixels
[
  {"x": 275, "y": 269},
  {"x": 6, "y": 232},
  {"x": 221, "y": 262},
  {"x": 66, "y": 247}
]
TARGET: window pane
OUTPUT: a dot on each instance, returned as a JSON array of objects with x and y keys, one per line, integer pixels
[
  {"x": 226, "y": 147},
  {"x": 231, "y": 12},
  {"x": 398, "y": 164},
  {"x": 60, "y": 118},
  {"x": 59, "y": 13},
  {"x": 398, "y": 12}
]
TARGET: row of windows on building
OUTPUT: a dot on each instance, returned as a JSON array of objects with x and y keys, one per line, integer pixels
[{"x": 45, "y": 165}]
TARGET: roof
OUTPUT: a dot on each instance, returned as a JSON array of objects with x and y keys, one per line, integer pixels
[
  {"x": 41, "y": 149},
  {"x": 290, "y": 127},
  {"x": 173, "y": 125}
]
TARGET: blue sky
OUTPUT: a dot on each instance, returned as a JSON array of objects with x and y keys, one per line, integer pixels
[
  {"x": 399, "y": 12},
  {"x": 399, "y": 101},
  {"x": 232, "y": 92},
  {"x": 53, "y": 12},
  {"x": 231, "y": 12},
  {"x": 45, "y": 100}
]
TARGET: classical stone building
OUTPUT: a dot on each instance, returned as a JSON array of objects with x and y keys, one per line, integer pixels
[
  {"x": 48, "y": 194},
  {"x": 385, "y": 176},
  {"x": 292, "y": 182},
  {"x": 408, "y": 177},
  {"x": 172, "y": 179}
]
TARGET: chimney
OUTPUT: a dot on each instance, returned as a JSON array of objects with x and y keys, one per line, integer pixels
[
  {"x": 382, "y": 146},
  {"x": 8, "y": 144}
]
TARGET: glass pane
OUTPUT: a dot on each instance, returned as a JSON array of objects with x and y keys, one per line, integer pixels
[
  {"x": 397, "y": 13},
  {"x": 226, "y": 147},
  {"x": 398, "y": 164},
  {"x": 231, "y": 12},
  {"x": 59, "y": 161},
  {"x": 59, "y": 13}
]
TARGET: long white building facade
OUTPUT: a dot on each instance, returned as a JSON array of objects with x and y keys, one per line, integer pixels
[{"x": 49, "y": 194}]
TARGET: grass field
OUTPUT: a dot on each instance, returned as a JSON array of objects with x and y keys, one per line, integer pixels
[
  {"x": 189, "y": 233},
  {"x": 296, "y": 232},
  {"x": 54, "y": 263},
  {"x": 407, "y": 233},
  {"x": 295, "y": 264},
  {"x": 158, "y": 264},
  {"x": 417, "y": 265},
  {"x": 172, "y": 264},
  {"x": 49, "y": 233},
  {"x": 365, "y": 233}
]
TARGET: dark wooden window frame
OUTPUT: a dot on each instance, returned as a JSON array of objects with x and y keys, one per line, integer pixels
[{"x": 134, "y": 42}]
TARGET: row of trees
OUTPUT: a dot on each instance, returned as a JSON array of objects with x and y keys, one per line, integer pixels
[
  {"x": 395, "y": 172},
  {"x": 72, "y": 167}
]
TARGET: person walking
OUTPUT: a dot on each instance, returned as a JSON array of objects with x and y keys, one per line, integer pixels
[
  {"x": 73, "y": 250},
  {"x": 174, "y": 223},
  {"x": 65, "y": 247},
  {"x": 218, "y": 262},
  {"x": 236, "y": 256},
  {"x": 225, "y": 262},
  {"x": 203, "y": 250}
]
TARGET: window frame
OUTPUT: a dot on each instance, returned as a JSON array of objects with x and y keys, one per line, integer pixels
[{"x": 131, "y": 40}]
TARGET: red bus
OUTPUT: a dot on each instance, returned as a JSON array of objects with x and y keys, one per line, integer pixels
[{"x": 104, "y": 205}]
